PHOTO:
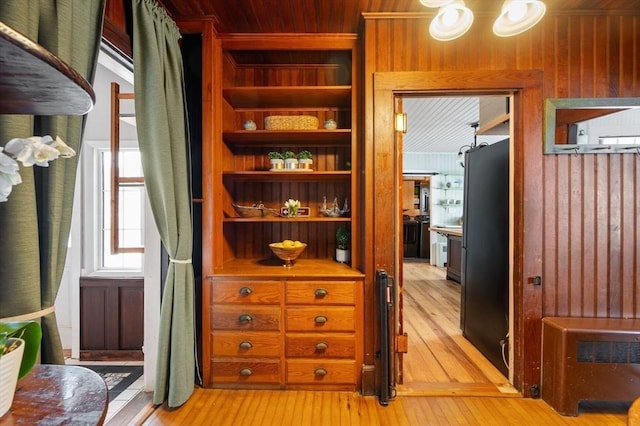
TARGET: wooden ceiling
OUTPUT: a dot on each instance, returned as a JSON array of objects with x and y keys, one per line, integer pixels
[{"x": 336, "y": 16}]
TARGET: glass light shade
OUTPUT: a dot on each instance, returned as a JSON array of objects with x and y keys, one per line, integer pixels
[
  {"x": 401, "y": 122},
  {"x": 435, "y": 3},
  {"x": 518, "y": 16},
  {"x": 452, "y": 21}
]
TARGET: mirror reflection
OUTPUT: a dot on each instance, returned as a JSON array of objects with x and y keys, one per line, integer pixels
[{"x": 591, "y": 125}]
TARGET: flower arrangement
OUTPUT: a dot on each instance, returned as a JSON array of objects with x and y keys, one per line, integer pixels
[
  {"x": 292, "y": 207},
  {"x": 34, "y": 150}
]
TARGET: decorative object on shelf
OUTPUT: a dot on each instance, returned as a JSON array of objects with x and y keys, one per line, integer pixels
[
  {"x": 250, "y": 125},
  {"x": 330, "y": 124},
  {"x": 276, "y": 160},
  {"x": 290, "y": 160},
  {"x": 343, "y": 241},
  {"x": 291, "y": 122},
  {"x": 288, "y": 250},
  {"x": 302, "y": 212},
  {"x": 34, "y": 150},
  {"x": 305, "y": 160},
  {"x": 335, "y": 210},
  {"x": 19, "y": 347},
  {"x": 256, "y": 210},
  {"x": 292, "y": 206}
]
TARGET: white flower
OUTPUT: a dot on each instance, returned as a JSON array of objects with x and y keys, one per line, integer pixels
[
  {"x": 30, "y": 151},
  {"x": 293, "y": 206},
  {"x": 9, "y": 175},
  {"x": 65, "y": 150}
]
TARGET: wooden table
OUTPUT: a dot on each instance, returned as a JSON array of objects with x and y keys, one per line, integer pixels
[
  {"x": 59, "y": 394},
  {"x": 35, "y": 81}
]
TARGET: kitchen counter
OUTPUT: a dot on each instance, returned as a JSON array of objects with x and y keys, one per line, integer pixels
[
  {"x": 454, "y": 250},
  {"x": 447, "y": 230}
]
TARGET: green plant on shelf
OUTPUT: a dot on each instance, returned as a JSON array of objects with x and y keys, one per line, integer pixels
[
  {"x": 343, "y": 238},
  {"x": 305, "y": 155}
]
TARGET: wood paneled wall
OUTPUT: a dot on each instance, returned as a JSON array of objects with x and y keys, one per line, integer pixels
[{"x": 587, "y": 247}]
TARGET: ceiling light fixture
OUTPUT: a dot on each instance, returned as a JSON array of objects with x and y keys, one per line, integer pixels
[
  {"x": 518, "y": 16},
  {"x": 453, "y": 20},
  {"x": 435, "y": 3}
]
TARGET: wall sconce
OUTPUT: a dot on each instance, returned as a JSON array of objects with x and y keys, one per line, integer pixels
[
  {"x": 452, "y": 21},
  {"x": 401, "y": 122},
  {"x": 454, "y": 18},
  {"x": 518, "y": 16}
]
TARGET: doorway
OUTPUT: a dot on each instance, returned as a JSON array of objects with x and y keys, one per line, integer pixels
[
  {"x": 440, "y": 360},
  {"x": 381, "y": 154}
]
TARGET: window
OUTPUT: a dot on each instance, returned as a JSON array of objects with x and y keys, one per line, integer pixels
[{"x": 127, "y": 255}]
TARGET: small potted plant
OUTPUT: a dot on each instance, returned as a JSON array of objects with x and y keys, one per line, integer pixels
[
  {"x": 305, "y": 160},
  {"x": 276, "y": 160},
  {"x": 19, "y": 346},
  {"x": 343, "y": 240},
  {"x": 290, "y": 160}
]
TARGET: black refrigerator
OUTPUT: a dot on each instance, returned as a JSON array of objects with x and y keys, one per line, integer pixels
[{"x": 484, "y": 313}]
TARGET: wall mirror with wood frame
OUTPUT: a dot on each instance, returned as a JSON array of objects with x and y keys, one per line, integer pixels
[{"x": 592, "y": 125}]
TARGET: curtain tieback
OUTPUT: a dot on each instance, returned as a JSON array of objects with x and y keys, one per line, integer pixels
[
  {"x": 31, "y": 315},
  {"x": 180, "y": 261}
]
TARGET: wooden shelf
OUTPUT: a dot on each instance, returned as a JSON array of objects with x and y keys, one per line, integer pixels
[
  {"x": 497, "y": 126},
  {"x": 34, "y": 81},
  {"x": 286, "y": 219},
  {"x": 279, "y": 177},
  {"x": 288, "y": 96},
  {"x": 272, "y": 267},
  {"x": 287, "y": 138}
]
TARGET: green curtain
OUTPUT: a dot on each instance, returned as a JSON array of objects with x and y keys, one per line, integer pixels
[
  {"x": 162, "y": 136},
  {"x": 35, "y": 221}
]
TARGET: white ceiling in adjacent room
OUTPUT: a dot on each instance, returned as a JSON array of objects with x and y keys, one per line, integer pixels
[{"x": 444, "y": 124}]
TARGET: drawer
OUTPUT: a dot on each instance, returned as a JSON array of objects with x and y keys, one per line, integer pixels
[
  {"x": 320, "y": 292},
  {"x": 321, "y": 345},
  {"x": 321, "y": 371},
  {"x": 246, "y": 344},
  {"x": 244, "y": 291},
  {"x": 249, "y": 317},
  {"x": 250, "y": 371},
  {"x": 320, "y": 318}
]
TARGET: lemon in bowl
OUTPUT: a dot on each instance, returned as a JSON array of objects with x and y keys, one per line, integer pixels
[{"x": 288, "y": 250}]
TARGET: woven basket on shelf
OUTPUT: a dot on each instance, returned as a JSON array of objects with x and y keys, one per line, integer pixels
[
  {"x": 257, "y": 210},
  {"x": 290, "y": 122}
]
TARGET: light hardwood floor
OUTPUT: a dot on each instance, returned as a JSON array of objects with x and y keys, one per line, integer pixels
[
  {"x": 447, "y": 382},
  {"x": 306, "y": 408},
  {"x": 440, "y": 361}
]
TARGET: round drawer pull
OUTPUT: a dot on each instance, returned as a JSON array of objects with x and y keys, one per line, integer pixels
[
  {"x": 246, "y": 372},
  {"x": 321, "y": 292},
  {"x": 245, "y": 291},
  {"x": 245, "y": 345},
  {"x": 321, "y": 346},
  {"x": 320, "y": 319},
  {"x": 320, "y": 372},
  {"x": 244, "y": 318}
]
